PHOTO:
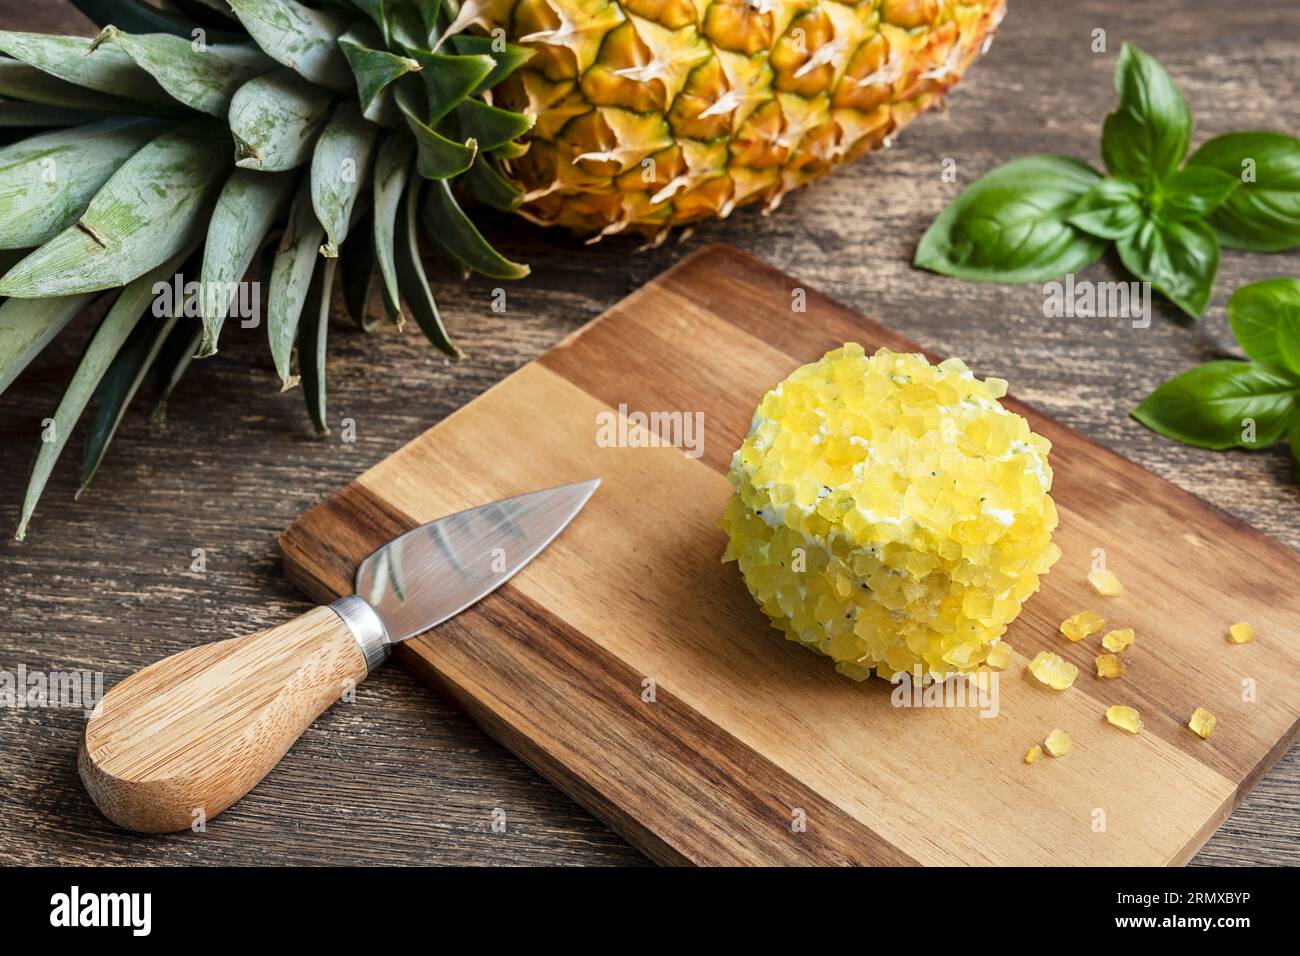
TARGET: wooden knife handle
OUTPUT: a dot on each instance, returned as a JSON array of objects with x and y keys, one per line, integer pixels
[{"x": 184, "y": 738}]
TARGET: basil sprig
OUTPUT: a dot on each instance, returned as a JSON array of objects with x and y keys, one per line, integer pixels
[
  {"x": 1040, "y": 217},
  {"x": 1235, "y": 404}
]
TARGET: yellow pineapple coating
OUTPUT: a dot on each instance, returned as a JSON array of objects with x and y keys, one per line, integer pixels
[
  {"x": 1109, "y": 665},
  {"x": 1058, "y": 743},
  {"x": 1105, "y": 583},
  {"x": 653, "y": 113},
  {"x": 1241, "y": 633},
  {"x": 889, "y": 513},
  {"x": 1053, "y": 670},
  {"x": 1115, "y": 641},
  {"x": 1081, "y": 625},
  {"x": 1202, "y": 722},
  {"x": 1125, "y": 718}
]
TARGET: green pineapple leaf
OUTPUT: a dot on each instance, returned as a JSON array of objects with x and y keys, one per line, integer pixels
[
  {"x": 150, "y": 209},
  {"x": 448, "y": 81},
  {"x": 276, "y": 119},
  {"x": 47, "y": 181},
  {"x": 118, "y": 387},
  {"x": 359, "y": 272},
  {"x": 411, "y": 278},
  {"x": 392, "y": 170},
  {"x": 446, "y": 224},
  {"x": 340, "y": 166},
  {"x": 506, "y": 57},
  {"x": 311, "y": 344},
  {"x": 299, "y": 37},
  {"x": 438, "y": 156},
  {"x": 141, "y": 18},
  {"x": 171, "y": 365},
  {"x": 28, "y": 325},
  {"x": 22, "y": 82},
  {"x": 489, "y": 126},
  {"x": 248, "y": 205},
  {"x": 203, "y": 79},
  {"x": 295, "y": 261},
  {"x": 374, "y": 70},
  {"x": 108, "y": 70},
  {"x": 107, "y": 341}
]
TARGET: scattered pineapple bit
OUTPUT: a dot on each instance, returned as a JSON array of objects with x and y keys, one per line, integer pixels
[
  {"x": 999, "y": 656},
  {"x": 1080, "y": 625},
  {"x": 890, "y": 513},
  {"x": 1202, "y": 722},
  {"x": 1105, "y": 583},
  {"x": 1033, "y": 753},
  {"x": 1057, "y": 743},
  {"x": 1108, "y": 665},
  {"x": 1125, "y": 718},
  {"x": 1241, "y": 633},
  {"x": 1053, "y": 670},
  {"x": 1115, "y": 641}
]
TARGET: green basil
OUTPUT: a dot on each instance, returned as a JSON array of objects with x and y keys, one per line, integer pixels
[
  {"x": 1009, "y": 225},
  {"x": 1146, "y": 139},
  {"x": 1112, "y": 209},
  {"x": 1264, "y": 214},
  {"x": 1179, "y": 259},
  {"x": 1210, "y": 406},
  {"x": 1193, "y": 193},
  {"x": 1265, "y": 318}
]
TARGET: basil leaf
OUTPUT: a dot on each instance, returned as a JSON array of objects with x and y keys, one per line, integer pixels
[
  {"x": 1146, "y": 138},
  {"x": 1212, "y": 406},
  {"x": 1194, "y": 192},
  {"x": 1264, "y": 214},
  {"x": 1009, "y": 225},
  {"x": 1265, "y": 318},
  {"x": 1112, "y": 209},
  {"x": 1179, "y": 259}
]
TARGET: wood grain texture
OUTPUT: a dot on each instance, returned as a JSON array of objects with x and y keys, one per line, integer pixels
[
  {"x": 106, "y": 584},
  {"x": 181, "y": 740},
  {"x": 553, "y": 664}
]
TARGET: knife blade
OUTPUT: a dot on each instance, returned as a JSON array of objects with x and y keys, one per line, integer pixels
[{"x": 178, "y": 742}]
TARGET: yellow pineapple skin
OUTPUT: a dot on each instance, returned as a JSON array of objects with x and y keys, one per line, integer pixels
[
  {"x": 890, "y": 513},
  {"x": 650, "y": 114}
]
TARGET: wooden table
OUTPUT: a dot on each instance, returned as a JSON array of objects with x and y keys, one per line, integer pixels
[{"x": 397, "y": 777}]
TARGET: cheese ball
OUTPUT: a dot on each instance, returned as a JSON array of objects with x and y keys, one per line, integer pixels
[{"x": 890, "y": 513}]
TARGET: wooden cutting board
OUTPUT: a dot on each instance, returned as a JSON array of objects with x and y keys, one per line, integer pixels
[{"x": 753, "y": 750}]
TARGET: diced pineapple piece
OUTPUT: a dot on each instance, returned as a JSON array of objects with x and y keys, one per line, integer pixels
[
  {"x": 1115, "y": 641},
  {"x": 1125, "y": 718},
  {"x": 1033, "y": 753},
  {"x": 1081, "y": 625},
  {"x": 1058, "y": 743},
  {"x": 1105, "y": 583},
  {"x": 1109, "y": 665},
  {"x": 1053, "y": 670},
  {"x": 999, "y": 656},
  {"x": 1241, "y": 633},
  {"x": 1202, "y": 722}
]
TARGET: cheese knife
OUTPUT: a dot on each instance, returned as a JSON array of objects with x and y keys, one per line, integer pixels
[{"x": 176, "y": 743}]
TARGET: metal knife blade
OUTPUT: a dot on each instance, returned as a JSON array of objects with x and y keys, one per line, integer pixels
[{"x": 433, "y": 572}]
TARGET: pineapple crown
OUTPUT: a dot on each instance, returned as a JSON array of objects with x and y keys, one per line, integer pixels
[{"x": 215, "y": 137}]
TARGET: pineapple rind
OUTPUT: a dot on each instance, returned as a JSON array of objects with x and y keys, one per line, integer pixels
[
  {"x": 890, "y": 513},
  {"x": 625, "y": 93}
]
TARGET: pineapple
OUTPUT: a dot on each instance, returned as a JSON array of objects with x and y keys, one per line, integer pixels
[{"x": 299, "y": 142}]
